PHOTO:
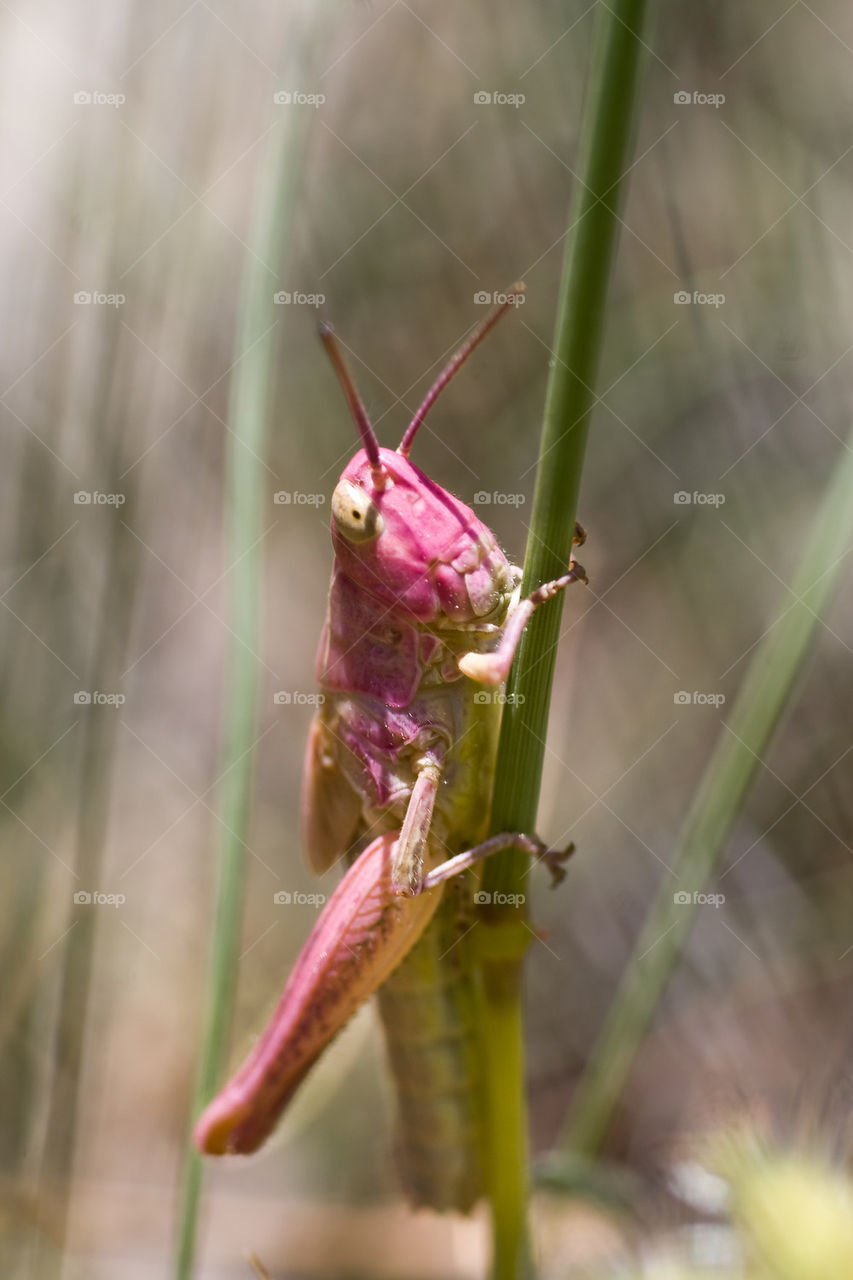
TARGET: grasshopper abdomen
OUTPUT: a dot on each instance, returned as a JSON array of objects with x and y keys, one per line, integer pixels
[{"x": 428, "y": 1013}]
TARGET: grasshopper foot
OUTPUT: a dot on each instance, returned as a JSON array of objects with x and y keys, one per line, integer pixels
[
  {"x": 580, "y": 535},
  {"x": 554, "y": 859},
  {"x": 577, "y": 572}
]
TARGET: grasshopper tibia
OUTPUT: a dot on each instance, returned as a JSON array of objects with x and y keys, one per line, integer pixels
[{"x": 553, "y": 858}]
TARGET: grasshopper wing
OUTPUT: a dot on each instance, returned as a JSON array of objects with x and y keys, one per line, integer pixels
[{"x": 331, "y": 809}]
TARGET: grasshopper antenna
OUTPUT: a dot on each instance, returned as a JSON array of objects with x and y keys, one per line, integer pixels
[
  {"x": 357, "y": 409},
  {"x": 455, "y": 363}
]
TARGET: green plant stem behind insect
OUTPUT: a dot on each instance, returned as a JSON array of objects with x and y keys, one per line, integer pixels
[
  {"x": 762, "y": 699},
  {"x": 606, "y": 143}
]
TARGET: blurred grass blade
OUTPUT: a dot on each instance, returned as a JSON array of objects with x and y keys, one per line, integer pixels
[
  {"x": 608, "y": 129},
  {"x": 248, "y": 487},
  {"x": 764, "y": 695},
  {"x": 96, "y": 754}
]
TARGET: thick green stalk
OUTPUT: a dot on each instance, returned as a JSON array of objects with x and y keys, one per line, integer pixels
[
  {"x": 248, "y": 487},
  {"x": 763, "y": 696},
  {"x": 591, "y": 245}
]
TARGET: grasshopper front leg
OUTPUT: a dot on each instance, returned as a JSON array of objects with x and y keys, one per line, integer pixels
[{"x": 493, "y": 668}]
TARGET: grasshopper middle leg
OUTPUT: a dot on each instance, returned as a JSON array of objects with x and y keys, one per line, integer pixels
[
  {"x": 553, "y": 858},
  {"x": 407, "y": 868},
  {"x": 407, "y": 871}
]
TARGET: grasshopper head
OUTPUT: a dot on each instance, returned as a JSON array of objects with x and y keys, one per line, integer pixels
[
  {"x": 402, "y": 538},
  {"x": 413, "y": 545}
]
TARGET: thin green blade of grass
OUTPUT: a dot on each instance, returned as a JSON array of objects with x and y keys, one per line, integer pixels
[
  {"x": 96, "y": 747},
  {"x": 766, "y": 692},
  {"x": 250, "y": 411},
  {"x": 250, "y": 404},
  {"x": 606, "y": 143}
]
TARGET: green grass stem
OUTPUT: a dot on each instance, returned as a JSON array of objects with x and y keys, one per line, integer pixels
[
  {"x": 763, "y": 697},
  {"x": 608, "y": 130},
  {"x": 249, "y": 485}
]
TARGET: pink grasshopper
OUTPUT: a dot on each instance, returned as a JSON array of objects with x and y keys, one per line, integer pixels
[{"x": 423, "y": 608}]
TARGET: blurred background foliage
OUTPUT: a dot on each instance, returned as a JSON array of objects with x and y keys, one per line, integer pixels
[{"x": 411, "y": 198}]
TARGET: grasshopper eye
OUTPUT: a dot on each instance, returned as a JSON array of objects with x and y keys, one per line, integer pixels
[{"x": 355, "y": 515}]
